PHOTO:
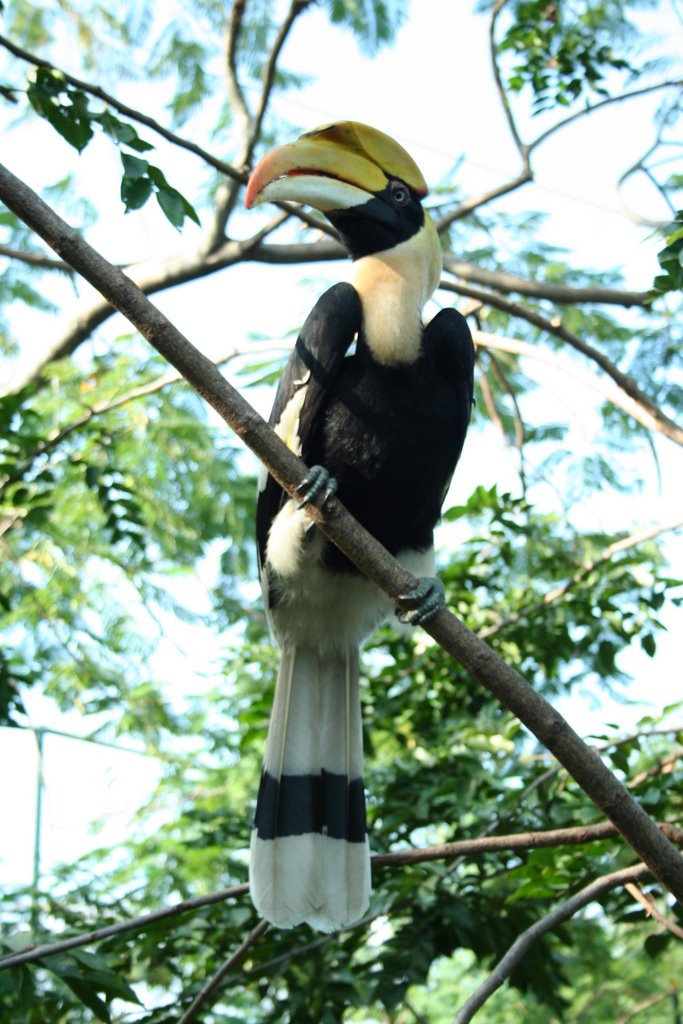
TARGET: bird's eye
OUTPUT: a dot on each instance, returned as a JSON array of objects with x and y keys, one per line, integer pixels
[{"x": 400, "y": 193}]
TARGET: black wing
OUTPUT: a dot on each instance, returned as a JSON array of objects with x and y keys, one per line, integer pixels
[
  {"x": 312, "y": 367},
  {"x": 448, "y": 341}
]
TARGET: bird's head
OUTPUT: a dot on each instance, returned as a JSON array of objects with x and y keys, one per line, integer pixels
[
  {"x": 365, "y": 183},
  {"x": 370, "y": 189}
]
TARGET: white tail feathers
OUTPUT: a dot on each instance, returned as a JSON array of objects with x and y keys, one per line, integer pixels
[{"x": 309, "y": 850}]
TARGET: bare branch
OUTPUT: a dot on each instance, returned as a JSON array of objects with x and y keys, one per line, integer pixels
[
  {"x": 562, "y": 294},
  {"x": 522, "y": 148},
  {"x": 523, "y": 943},
  {"x": 576, "y": 836},
  {"x": 214, "y": 984},
  {"x": 663, "y": 767},
  {"x": 41, "y": 952},
  {"x": 251, "y": 125},
  {"x": 519, "y": 422},
  {"x": 525, "y": 150},
  {"x": 490, "y": 404},
  {"x": 236, "y": 95},
  {"x": 468, "y": 206},
  {"x": 550, "y": 728},
  {"x": 296, "y": 8},
  {"x": 35, "y": 259},
  {"x": 150, "y": 277},
  {"x": 641, "y": 166},
  {"x": 590, "y": 108},
  {"x": 629, "y": 397}
]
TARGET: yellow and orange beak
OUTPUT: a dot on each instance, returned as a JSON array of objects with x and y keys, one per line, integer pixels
[{"x": 335, "y": 167}]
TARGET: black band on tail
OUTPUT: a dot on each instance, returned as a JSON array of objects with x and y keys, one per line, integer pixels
[{"x": 298, "y": 805}]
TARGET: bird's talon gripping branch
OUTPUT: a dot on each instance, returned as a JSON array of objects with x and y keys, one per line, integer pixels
[
  {"x": 316, "y": 482},
  {"x": 423, "y": 603}
]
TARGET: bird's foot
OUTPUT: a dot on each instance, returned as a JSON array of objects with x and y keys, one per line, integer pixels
[
  {"x": 316, "y": 482},
  {"x": 423, "y": 602}
]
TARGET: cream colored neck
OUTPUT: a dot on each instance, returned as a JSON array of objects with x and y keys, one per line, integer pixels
[{"x": 394, "y": 286}]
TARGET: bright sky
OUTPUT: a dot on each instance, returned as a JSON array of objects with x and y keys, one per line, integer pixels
[{"x": 432, "y": 91}]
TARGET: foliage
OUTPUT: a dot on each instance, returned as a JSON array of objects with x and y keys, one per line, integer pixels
[
  {"x": 564, "y": 51},
  {"x": 671, "y": 260},
  {"x": 118, "y": 491}
]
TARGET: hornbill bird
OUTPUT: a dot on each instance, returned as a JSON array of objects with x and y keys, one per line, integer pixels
[{"x": 378, "y": 406}]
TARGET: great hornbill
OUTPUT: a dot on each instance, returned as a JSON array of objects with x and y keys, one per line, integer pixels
[{"x": 384, "y": 421}]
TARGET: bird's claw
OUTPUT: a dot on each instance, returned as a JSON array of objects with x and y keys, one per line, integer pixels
[
  {"x": 423, "y": 602},
  {"x": 316, "y": 482}
]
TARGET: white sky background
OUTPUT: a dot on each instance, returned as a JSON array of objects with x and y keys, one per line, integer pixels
[{"x": 433, "y": 91}]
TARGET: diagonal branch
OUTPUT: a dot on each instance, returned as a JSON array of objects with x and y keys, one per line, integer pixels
[
  {"x": 632, "y": 399},
  {"x": 590, "y": 108},
  {"x": 150, "y": 277},
  {"x": 652, "y": 911},
  {"x": 214, "y": 983},
  {"x": 624, "y": 544},
  {"x": 550, "y": 728},
  {"x": 523, "y": 943},
  {"x": 40, "y": 952}
]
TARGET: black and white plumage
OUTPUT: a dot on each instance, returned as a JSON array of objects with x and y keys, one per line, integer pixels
[{"x": 387, "y": 420}]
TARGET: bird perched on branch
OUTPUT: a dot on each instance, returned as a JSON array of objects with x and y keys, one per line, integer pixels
[{"x": 378, "y": 406}]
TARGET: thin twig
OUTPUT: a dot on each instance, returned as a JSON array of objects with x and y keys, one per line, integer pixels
[
  {"x": 624, "y": 544},
  {"x": 35, "y": 259},
  {"x": 624, "y": 97},
  {"x": 642, "y": 1007},
  {"x": 40, "y": 952},
  {"x": 518, "y": 421},
  {"x": 214, "y": 983},
  {"x": 523, "y": 943},
  {"x": 652, "y": 911}
]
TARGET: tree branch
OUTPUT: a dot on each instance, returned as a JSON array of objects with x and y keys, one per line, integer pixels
[
  {"x": 445, "y": 851},
  {"x": 562, "y": 294},
  {"x": 213, "y": 985},
  {"x": 576, "y": 836},
  {"x": 251, "y": 125},
  {"x": 590, "y": 108},
  {"x": 35, "y": 259},
  {"x": 150, "y": 278},
  {"x": 524, "y": 149},
  {"x": 641, "y": 1007},
  {"x": 629, "y": 396},
  {"x": 550, "y": 728},
  {"x": 652, "y": 911},
  {"x": 41, "y": 952},
  {"x": 523, "y": 943},
  {"x": 640, "y": 537},
  {"x": 109, "y": 405}
]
